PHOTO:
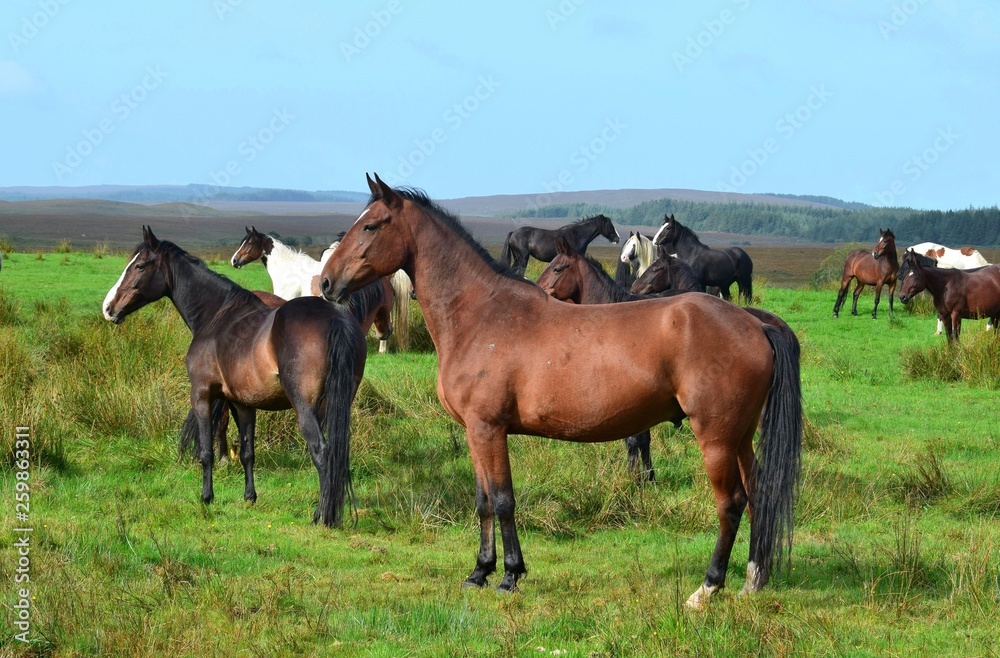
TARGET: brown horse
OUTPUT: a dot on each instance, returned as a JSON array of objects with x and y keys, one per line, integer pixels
[
  {"x": 958, "y": 294},
  {"x": 877, "y": 268},
  {"x": 512, "y": 360},
  {"x": 306, "y": 354},
  {"x": 667, "y": 273}
]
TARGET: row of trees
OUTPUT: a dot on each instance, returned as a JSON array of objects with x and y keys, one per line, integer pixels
[{"x": 972, "y": 226}]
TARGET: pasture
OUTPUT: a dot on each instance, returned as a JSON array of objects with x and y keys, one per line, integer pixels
[{"x": 897, "y": 542}]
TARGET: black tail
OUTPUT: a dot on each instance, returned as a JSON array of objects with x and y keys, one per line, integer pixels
[
  {"x": 745, "y": 277},
  {"x": 778, "y": 458},
  {"x": 505, "y": 257},
  {"x": 346, "y": 345},
  {"x": 189, "y": 430}
]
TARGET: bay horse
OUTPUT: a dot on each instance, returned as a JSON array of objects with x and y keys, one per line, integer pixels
[
  {"x": 667, "y": 273},
  {"x": 958, "y": 294},
  {"x": 369, "y": 308},
  {"x": 513, "y": 360},
  {"x": 713, "y": 267},
  {"x": 293, "y": 274},
  {"x": 877, "y": 267},
  {"x": 306, "y": 354},
  {"x": 528, "y": 241}
]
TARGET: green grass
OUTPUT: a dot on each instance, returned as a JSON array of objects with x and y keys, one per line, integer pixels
[{"x": 896, "y": 547}]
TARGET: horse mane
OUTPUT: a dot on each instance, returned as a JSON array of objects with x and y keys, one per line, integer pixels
[
  {"x": 614, "y": 291},
  {"x": 362, "y": 301},
  {"x": 236, "y": 297},
  {"x": 420, "y": 198}
]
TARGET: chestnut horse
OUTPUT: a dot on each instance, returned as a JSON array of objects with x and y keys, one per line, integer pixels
[
  {"x": 512, "y": 360},
  {"x": 306, "y": 354},
  {"x": 958, "y": 294},
  {"x": 877, "y": 268}
]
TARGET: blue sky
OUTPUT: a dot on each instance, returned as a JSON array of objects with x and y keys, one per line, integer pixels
[{"x": 885, "y": 102}]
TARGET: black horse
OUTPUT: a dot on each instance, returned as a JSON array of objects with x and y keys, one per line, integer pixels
[
  {"x": 541, "y": 243},
  {"x": 713, "y": 267},
  {"x": 665, "y": 274}
]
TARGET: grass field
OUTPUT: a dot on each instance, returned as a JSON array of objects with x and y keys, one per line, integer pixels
[{"x": 897, "y": 544}]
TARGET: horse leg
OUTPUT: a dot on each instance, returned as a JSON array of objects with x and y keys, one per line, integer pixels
[
  {"x": 857, "y": 293},
  {"x": 246, "y": 422},
  {"x": 956, "y": 324},
  {"x": 844, "y": 284},
  {"x": 521, "y": 263},
  {"x": 221, "y": 435},
  {"x": 637, "y": 447},
  {"x": 313, "y": 434},
  {"x": 201, "y": 405},
  {"x": 878, "y": 295},
  {"x": 491, "y": 461},
  {"x": 730, "y": 500},
  {"x": 486, "y": 562},
  {"x": 892, "y": 293},
  {"x": 724, "y": 290}
]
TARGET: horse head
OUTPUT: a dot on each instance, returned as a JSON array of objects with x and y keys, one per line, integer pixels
[
  {"x": 557, "y": 281},
  {"x": 374, "y": 246},
  {"x": 886, "y": 241},
  {"x": 914, "y": 278},
  {"x": 667, "y": 232},
  {"x": 143, "y": 280},
  {"x": 607, "y": 229},
  {"x": 255, "y": 245}
]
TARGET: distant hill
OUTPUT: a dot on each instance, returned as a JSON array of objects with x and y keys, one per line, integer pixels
[
  {"x": 105, "y": 208},
  {"x": 149, "y": 194}
]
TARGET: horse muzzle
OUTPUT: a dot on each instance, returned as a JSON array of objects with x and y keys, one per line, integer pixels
[{"x": 333, "y": 292}]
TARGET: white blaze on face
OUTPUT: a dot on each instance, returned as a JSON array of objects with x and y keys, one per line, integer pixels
[
  {"x": 362, "y": 215},
  {"x": 658, "y": 232},
  {"x": 629, "y": 249},
  {"x": 114, "y": 290},
  {"x": 232, "y": 261}
]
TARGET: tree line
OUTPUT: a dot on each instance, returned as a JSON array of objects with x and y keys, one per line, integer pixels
[{"x": 855, "y": 223}]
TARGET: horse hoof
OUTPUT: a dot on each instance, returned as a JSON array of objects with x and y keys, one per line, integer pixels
[
  {"x": 508, "y": 585},
  {"x": 207, "y": 500},
  {"x": 701, "y": 597},
  {"x": 468, "y": 583},
  {"x": 250, "y": 498}
]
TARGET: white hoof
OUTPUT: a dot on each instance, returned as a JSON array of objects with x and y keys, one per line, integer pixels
[
  {"x": 700, "y": 598},
  {"x": 753, "y": 579}
]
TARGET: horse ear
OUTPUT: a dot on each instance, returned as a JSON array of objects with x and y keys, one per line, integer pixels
[
  {"x": 388, "y": 195},
  {"x": 149, "y": 238},
  {"x": 372, "y": 185},
  {"x": 562, "y": 246},
  {"x": 247, "y": 229}
]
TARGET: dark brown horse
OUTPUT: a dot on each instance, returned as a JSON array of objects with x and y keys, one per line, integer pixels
[
  {"x": 712, "y": 267},
  {"x": 958, "y": 294},
  {"x": 529, "y": 241},
  {"x": 877, "y": 268},
  {"x": 667, "y": 273},
  {"x": 306, "y": 354},
  {"x": 512, "y": 360}
]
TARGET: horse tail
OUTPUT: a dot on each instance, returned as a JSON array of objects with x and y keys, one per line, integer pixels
[
  {"x": 505, "y": 255},
  {"x": 778, "y": 458},
  {"x": 343, "y": 351},
  {"x": 189, "y": 429},
  {"x": 401, "y": 287}
]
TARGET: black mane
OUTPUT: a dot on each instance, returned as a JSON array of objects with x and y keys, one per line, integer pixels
[
  {"x": 362, "y": 301},
  {"x": 420, "y": 198},
  {"x": 205, "y": 305},
  {"x": 609, "y": 287}
]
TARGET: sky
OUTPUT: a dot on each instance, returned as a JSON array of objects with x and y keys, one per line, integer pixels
[{"x": 887, "y": 102}]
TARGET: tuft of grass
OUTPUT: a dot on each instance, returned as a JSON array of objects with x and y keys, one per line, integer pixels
[
  {"x": 10, "y": 309},
  {"x": 6, "y": 245},
  {"x": 101, "y": 250},
  {"x": 974, "y": 360},
  {"x": 64, "y": 246},
  {"x": 925, "y": 480}
]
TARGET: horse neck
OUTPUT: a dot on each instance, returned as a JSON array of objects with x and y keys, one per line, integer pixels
[
  {"x": 585, "y": 232},
  {"x": 457, "y": 283},
  {"x": 890, "y": 257},
  {"x": 687, "y": 241},
  {"x": 598, "y": 288},
  {"x": 196, "y": 293}
]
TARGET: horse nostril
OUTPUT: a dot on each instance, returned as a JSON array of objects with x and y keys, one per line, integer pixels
[{"x": 324, "y": 285}]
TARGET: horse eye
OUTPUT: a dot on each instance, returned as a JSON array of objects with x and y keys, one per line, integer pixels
[
  {"x": 557, "y": 270},
  {"x": 370, "y": 228}
]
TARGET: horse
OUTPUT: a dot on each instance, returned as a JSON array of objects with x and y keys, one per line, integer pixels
[
  {"x": 293, "y": 273},
  {"x": 713, "y": 267},
  {"x": 965, "y": 258},
  {"x": 958, "y": 294},
  {"x": 369, "y": 308},
  {"x": 306, "y": 354},
  {"x": 667, "y": 273},
  {"x": 641, "y": 248},
  {"x": 877, "y": 267},
  {"x": 513, "y": 360},
  {"x": 541, "y": 243}
]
